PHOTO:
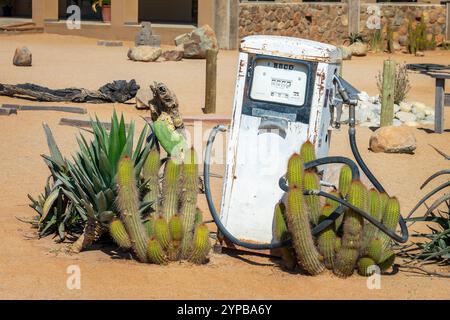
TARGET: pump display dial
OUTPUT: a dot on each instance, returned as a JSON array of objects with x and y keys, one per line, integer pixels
[{"x": 280, "y": 82}]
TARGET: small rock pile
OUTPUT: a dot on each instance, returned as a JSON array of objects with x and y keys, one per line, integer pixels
[{"x": 368, "y": 112}]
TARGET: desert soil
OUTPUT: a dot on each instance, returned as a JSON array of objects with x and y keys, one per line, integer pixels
[{"x": 37, "y": 269}]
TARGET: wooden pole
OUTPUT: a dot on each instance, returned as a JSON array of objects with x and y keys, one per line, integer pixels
[
  {"x": 211, "y": 81},
  {"x": 387, "y": 103}
]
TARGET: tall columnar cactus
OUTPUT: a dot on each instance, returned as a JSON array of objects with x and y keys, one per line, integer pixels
[
  {"x": 200, "y": 245},
  {"x": 128, "y": 203},
  {"x": 391, "y": 217},
  {"x": 119, "y": 234},
  {"x": 189, "y": 200},
  {"x": 155, "y": 252},
  {"x": 282, "y": 233},
  {"x": 149, "y": 226},
  {"x": 345, "y": 180},
  {"x": 370, "y": 231},
  {"x": 170, "y": 189},
  {"x": 308, "y": 152},
  {"x": 162, "y": 232},
  {"x": 311, "y": 181},
  {"x": 383, "y": 201},
  {"x": 294, "y": 173},
  {"x": 151, "y": 177},
  {"x": 334, "y": 205},
  {"x": 327, "y": 238},
  {"x": 348, "y": 254},
  {"x": 302, "y": 240}
]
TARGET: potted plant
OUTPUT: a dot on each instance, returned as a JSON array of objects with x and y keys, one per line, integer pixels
[
  {"x": 7, "y": 6},
  {"x": 105, "y": 5}
]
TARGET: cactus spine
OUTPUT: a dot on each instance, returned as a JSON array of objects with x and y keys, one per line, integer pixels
[
  {"x": 189, "y": 203},
  {"x": 128, "y": 198},
  {"x": 365, "y": 264},
  {"x": 391, "y": 217},
  {"x": 370, "y": 231},
  {"x": 327, "y": 238},
  {"x": 345, "y": 180},
  {"x": 308, "y": 152},
  {"x": 176, "y": 234},
  {"x": 119, "y": 234},
  {"x": 170, "y": 189},
  {"x": 162, "y": 233},
  {"x": 282, "y": 234},
  {"x": 348, "y": 254},
  {"x": 311, "y": 181},
  {"x": 298, "y": 222},
  {"x": 155, "y": 252},
  {"x": 295, "y": 171},
  {"x": 375, "y": 250},
  {"x": 151, "y": 177},
  {"x": 201, "y": 245}
]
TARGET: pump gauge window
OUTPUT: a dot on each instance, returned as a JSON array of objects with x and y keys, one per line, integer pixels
[{"x": 280, "y": 82}]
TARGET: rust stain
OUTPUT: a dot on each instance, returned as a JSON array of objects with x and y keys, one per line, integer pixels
[{"x": 241, "y": 72}]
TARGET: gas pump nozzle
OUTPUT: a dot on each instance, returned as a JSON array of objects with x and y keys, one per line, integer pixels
[{"x": 348, "y": 95}]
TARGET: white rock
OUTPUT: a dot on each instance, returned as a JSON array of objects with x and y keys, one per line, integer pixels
[
  {"x": 375, "y": 99},
  {"x": 144, "y": 53},
  {"x": 405, "y": 106},
  {"x": 405, "y": 116},
  {"x": 420, "y": 115},
  {"x": 396, "y": 122},
  {"x": 396, "y": 108},
  {"x": 419, "y": 106},
  {"x": 363, "y": 96}
]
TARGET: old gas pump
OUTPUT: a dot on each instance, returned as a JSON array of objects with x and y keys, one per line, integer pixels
[{"x": 287, "y": 92}]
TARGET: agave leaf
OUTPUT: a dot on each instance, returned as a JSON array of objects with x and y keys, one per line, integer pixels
[
  {"x": 114, "y": 143},
  {"x": 106, "y": 217},
  {"x": 49, "y": 224},
  {"x": 122, "y": 133},
  {"x": 139, "y": 144},
  {"x": 48, "y": 204},
  {"x": 101, "y": 202},
  {"x": 54, "y": 150}
]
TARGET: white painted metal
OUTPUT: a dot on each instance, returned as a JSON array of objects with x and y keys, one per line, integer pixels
[{"x": 256, "y": 158}]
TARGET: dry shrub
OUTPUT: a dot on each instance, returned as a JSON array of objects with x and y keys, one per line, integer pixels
[{"x": 401, "y": 83}]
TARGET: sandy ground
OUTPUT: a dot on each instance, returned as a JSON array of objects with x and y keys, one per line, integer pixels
[{"x": 38, "y": 268}]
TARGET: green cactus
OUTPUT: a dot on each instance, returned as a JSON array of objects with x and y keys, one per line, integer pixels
[
  {"x": 363, "y": 266},
  {"x": 370, "y": 231},
  {"x": 173, "y": 142},
  {"x": 189, "y": 200},
  {"x": 391, "y": 217},
  {"x": 294, "y": 174},
  {"x": 338, "y": 244},
  {"x": 198, "y": 217},
  {"x": 155, "y": 252},
  {"x": 128, "y": 203},
  {"x": 171, "y": 189},
  {"x": 334, "y": 205},
  {"x": 327, "y": 238},
  {"x": 308, "y": 152},
  {"x": 149, "y": 225},
  {"x": 151, "y": 176},
  {"x": 345, "y": 180},
  {"x": 387, "y": 260},
  {"x": 375, "y": 250},
  {"x": 282, "y": 234},
  {"x": 200, "y": 245},
  {"x": 348, "y": 254},
  {"x": 383, "y": 201},
  {"x": 311, "y": 181},
  {"x": 176, "y": 234},
  {"x": 303, "y": 242},
  {"x": 162, "y": 232},
  {"x": 119, "y": 234}
]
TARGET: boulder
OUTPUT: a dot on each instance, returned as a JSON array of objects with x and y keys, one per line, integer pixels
[
  {"x": 200, "y": 40},
  {"x": 346, "y": 53},
  {"x": 181, "y": 39},
  {"x": 393, "y": 139},
  {"x": 144, "y": 53},
  {"x": 358, "y": 49},
  {"x": 174, "y": 55},
  {"x": 22, "y": 57},
  {"x": 143, "y": 97},
  {"x": 405, "y": 106},
  {"x": 405, "y": 116}
]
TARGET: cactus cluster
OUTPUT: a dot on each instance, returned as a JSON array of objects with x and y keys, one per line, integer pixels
[
  {"x": 347, "y": 244},
  {"x": 173, "y": 228}
]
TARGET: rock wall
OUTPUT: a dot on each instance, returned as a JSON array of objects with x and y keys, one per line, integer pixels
[{"x": 328, "y": 22}]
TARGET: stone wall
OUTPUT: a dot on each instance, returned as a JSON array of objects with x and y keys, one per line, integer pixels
[{"x": 328, "y": 22}]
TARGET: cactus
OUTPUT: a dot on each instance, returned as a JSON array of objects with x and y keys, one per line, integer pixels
[
  {"x": 162, "y": 233},
  {"x": 370, "y": 231},
  {"x": 173, "y": 142},
  {"x": 198, "y": 217},
  {"x": 345, "y": 180},
  {"x": 170, "y": 189},
  {"x": 391, "y": 217},
  {"x": 334, "y": 205},
  {"x": 298, "y": 222},
  {"x": 294, "y": 174},
  {"x": 119, "y": 234},
  {"x": 311, "y": 181},
  {"x": 327, "y": 238},
  {"x": 363, "y": 266},
  {"x": 383, "y": 201},
  {"x": 155, "y": 252},
  {"x": 387, "y": 260},
  {"x": 149, "y": 226},
  {"x": 176, "y": 234},
  {"x": 151, "y": 177},
  {"x": 348, "y": 254},
  {"x": 338, "y": 244},
  {"x": 201, "y": 245},
  {"x": 308, "y": 152},
  {"x": 128, "y": 198},
  {"x": 282, "y": 234},
  {"x": 189, "y": 201},
  {"x": 375, "y": 250}
]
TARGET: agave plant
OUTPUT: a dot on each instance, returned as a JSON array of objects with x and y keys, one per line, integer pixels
[{"x": 79, "y": 196}]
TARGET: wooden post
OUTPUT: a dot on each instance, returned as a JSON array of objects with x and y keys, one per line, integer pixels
[
  {"x": 439, "y": 106},
  {"x": 354, "y": 13},
  {"x": 387, "y": 103},
  {"x": 211, "y": 80},
  {"x": 447, "y": 26}
]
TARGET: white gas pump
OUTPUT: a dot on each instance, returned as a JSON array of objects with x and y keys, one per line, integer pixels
[{"x": 283, "y": 93}]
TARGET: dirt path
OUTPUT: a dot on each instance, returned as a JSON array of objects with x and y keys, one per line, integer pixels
[{"x": 38, "y": 269}]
